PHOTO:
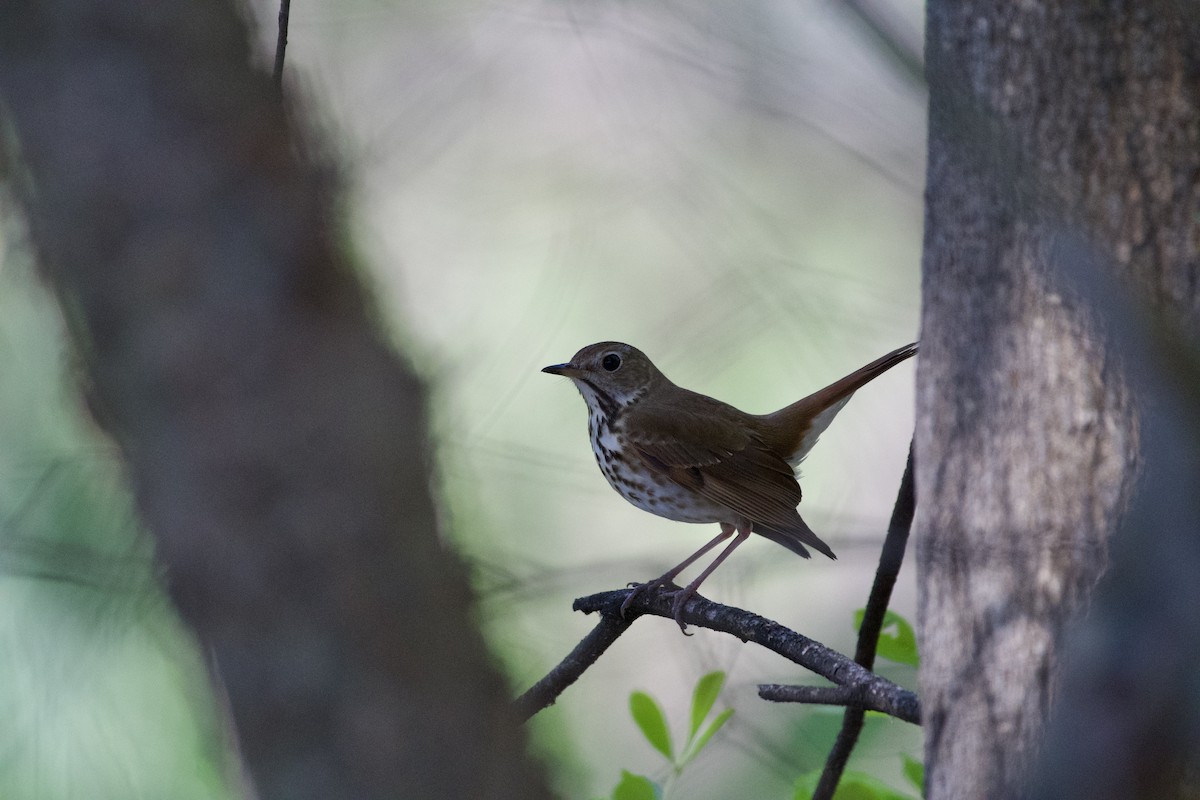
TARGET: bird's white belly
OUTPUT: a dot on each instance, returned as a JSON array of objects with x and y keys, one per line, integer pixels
[{"x": 648, "y": 490}]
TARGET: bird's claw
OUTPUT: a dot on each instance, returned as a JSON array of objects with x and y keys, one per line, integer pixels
[
  {"x": 679, "y": 600},
  {"x": 638, "y": 588}
]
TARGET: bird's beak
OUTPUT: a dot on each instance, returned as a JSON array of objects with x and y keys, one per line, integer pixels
[{"x": 561, "y": 369}]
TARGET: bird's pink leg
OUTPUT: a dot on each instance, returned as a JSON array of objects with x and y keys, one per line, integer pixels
[
  {"x": 669, "y": 576},
  {"x": 688, "y": 591}
]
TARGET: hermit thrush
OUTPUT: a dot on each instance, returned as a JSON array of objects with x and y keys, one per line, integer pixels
[{"x": 690, "y": 458}]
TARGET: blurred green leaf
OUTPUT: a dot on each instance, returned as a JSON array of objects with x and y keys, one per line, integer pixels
[
  {"x": 915, "y": 771},
  {"x": 897, "y": 641},
  {"x": 649, "y": 718},
  {"x": 703, "y": 698},
  {"x": 853, "y": 786},
  {"x": 635, "y": 787},
  {"x": 700, "y": 743}
]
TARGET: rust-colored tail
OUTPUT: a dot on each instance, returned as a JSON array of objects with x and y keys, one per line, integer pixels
[{"x": 792, "y": 431}]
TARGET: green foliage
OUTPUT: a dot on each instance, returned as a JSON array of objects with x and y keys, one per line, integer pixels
[
  {"x": 707, "y": 689},
  {"x": 702, "y": 741},
  {"x": 914, "y": 770},
  {"x": 652, "y": 722},
  {"x": 897, "y": 641},
  {"x": 703, "y": 698},
  {"x": 853, "y": 786},
  {"x": 636, "y": 787}
]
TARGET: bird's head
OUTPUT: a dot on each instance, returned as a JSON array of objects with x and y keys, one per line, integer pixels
[{"x": 610, "y": 372}]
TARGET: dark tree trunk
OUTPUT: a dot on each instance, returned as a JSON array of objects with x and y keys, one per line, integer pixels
[
  {"x": 277, "y": 446},
  {"x": 1047, "y": 119}
]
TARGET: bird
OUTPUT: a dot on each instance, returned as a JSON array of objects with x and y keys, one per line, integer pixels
[{"x": 688, "y": 457}]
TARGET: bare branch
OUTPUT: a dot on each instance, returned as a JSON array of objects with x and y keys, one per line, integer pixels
[
  {"x": 905, "y": 708},
  {"x": 591, "y": 647},
  {"x": 285, "y": 7},
  {"x": 856, "y": 684},
  {"x": 890, "y": 559},
  {"x": 875, "y": 692}
]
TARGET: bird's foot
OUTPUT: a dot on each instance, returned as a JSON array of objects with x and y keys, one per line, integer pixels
[
  {"x": 638, "y": 589},
  {"x": 679, "y": 598}
]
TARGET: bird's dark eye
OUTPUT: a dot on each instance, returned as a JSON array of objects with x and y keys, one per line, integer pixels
[{"x": 611, "y": 362}]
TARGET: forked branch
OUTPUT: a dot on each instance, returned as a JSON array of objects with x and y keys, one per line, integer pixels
[{"x": 864, "y": 687}]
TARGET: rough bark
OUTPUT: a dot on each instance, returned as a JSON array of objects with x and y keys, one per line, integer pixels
[
  {"x": 1046, "y": 117},
  {"x": 277, "y": 447}
]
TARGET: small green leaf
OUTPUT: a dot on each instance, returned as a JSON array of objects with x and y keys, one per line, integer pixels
[
  {"x": 700, "y": 743},
  {"x": 897, "y": 641},
  {"x": 707, "y": 689},
  {"x": 649, "y": 718},
  {"x": 915, "y": 772},
  {"x": 635, "y": 787},
  {"x": 853, "y": 786}
]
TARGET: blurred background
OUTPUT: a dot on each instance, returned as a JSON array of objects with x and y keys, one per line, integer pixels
[{"x": 736, "y": 189}]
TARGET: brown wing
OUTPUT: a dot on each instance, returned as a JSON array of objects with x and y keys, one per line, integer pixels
[{"x": 717, "y": 455}]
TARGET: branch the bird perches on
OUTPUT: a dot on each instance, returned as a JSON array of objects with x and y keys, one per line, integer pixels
[{"x": 862, "y": 687}]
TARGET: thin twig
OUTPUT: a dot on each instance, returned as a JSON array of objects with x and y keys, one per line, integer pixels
[
  {"x": 890, "y": 559},
  {"x": 835, "y": 696},
  {"x": 546, "y": 691},
  {"x": 285, "y": 7}
]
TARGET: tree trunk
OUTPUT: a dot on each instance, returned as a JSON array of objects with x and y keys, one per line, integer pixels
[
  {"x": 1047, "y": 118},
  {"x": 277, "y": 446}
]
